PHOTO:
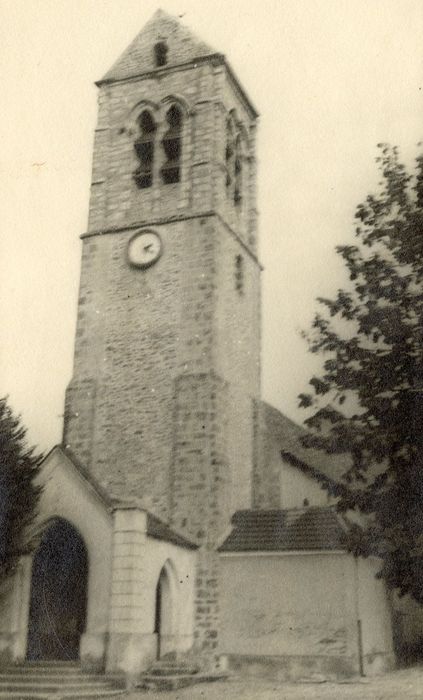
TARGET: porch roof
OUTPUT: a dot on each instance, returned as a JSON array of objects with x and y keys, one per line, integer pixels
[{"x": 159, "y": 530}]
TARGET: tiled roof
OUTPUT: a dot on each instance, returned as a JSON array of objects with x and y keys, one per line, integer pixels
[
  {"x": 302, "y": 529},
  {"x": 290, "y": 435},
  {"x": 158, "y": 530},
  {"x": 138, "y": 58}
]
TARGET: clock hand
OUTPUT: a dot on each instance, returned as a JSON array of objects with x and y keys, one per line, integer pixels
[{"x": 147, "y": 247}]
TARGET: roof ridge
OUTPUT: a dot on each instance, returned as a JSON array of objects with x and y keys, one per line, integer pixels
[{"x": 246, "y": 511}]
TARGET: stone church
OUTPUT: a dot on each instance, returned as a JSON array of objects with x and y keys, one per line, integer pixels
[{"x": 181, "y": 513}]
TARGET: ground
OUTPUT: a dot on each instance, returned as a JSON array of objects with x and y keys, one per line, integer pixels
[{"x": 406, "y": 684}]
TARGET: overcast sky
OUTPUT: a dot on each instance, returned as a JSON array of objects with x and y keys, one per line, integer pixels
[{"x": 330, "y": 78}]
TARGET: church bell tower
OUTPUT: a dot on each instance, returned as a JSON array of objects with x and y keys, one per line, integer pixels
[{"x": 167, "y": 354}]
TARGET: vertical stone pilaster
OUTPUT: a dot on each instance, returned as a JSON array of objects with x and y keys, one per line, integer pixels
[
  {"x": 133, "y": 644},
  {"x": 98, "y": 192},
  {"x": 206, "y": 634},
  {"x": 201, "y": 490}
]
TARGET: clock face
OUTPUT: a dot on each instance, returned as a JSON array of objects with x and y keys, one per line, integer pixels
[{"x": 144, "y": 249}]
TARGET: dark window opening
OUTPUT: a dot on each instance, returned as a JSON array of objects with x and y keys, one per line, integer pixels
[
  {"x": 144, "y": 149},
  {"x": 234, "y": 162},
  {"x": 174, "y": 118},
  {"x": 172, "y": 146},
  {"x": 172, "y": 149},
  {"x": 143, "y": 180},
  {"x": 170, "y": 175},
  {"x": 229, "y": 153},
  {"x": 238, "y": 174},
  {"x": 160, "y": 54},
  {"x": 146, "y": 123},
  {"x": 239, "y": 274}
]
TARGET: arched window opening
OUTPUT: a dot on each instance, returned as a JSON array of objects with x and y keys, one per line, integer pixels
[
  {"x": 239, "y": 274},
  {"x": 238, "y": 173},
  {"x": 229, "y": 153},
  {"x": 144, "y": 148},
  {"x": 164, "y": 619},
  {"x": 172, "y": 146},
  {"x": 160, "y": 54}
]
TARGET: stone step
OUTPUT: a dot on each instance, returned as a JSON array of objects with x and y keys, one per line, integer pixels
[
  {"x": 18, "y": 696},
  {"x": 52, "y": 663},
  {"x": 92, "y": 694},
  {"x": 50, "y": 687},
  {"x": 175, "y": 682},
  {"x": 55, "y": 680},
  {"x": 32, "y": 668},
  {"x": 175, "y": 663},
  {"x": 173, "y": 671},
  {"x": 64, "y": 695},
  {"x": 8, "y": 674},
  {"x": 40, "y": 680}
]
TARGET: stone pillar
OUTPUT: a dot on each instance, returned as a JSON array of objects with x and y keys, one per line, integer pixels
[
  {"x": 14, "y": 614},
  {"x": 92, "y": 648},
  {"x": 132, "y": 641}
]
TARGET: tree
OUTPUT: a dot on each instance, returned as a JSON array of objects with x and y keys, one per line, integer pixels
[
  {"x": 368, "y": 401},
  {"x": 19, "y": 494}
]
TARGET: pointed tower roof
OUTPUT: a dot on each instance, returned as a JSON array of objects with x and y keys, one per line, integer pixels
[
  {"x": 138, "y": 58},
  {"x": 183, "y": 47}
]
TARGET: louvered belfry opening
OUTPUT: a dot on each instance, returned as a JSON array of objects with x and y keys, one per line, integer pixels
[
  {"x": 172, "y": 146},
  {"x": 238, "y": 172},
  {"x": 144, "y": 148},
  {"x": 233, "y": 161},
  {"x": 229, "y": 153}
]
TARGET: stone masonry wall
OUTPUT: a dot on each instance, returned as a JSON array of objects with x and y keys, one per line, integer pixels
[
  {"x": 200, "y": 473},
  {"x": 151, "y": 332},
  {"x": 201, "y": 489}
]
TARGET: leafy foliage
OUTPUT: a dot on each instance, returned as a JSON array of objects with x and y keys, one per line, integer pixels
[
  {"x": 368, "y": 402},
  {"x": 19, "y": 494}
]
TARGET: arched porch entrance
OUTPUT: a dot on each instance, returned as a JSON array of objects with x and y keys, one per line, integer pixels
[
  {"x": 58, "y": 599},
  {"x": 165, "y": 613}
]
